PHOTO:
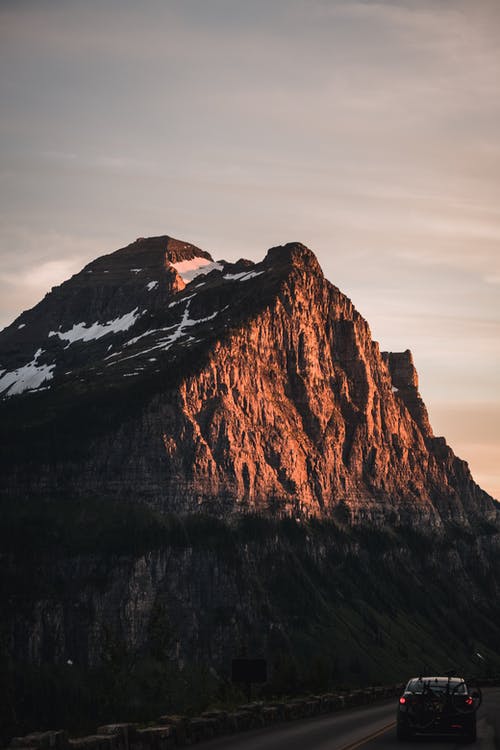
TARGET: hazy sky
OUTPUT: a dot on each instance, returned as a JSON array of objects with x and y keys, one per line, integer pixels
[{"x": 370, "y": 131}]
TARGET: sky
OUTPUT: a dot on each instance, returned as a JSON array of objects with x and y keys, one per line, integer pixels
[{"x": 368, "y": 130}]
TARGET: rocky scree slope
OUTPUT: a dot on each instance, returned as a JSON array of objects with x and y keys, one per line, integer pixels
[{"x": 159, "y": 375}]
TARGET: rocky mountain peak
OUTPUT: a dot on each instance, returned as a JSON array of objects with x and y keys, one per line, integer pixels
[
  {"x": 96, "y": 308},
  {"x": 148, "y": 253},
  {"x": 295, "y": 254},
  {"x": 150, "y": 259},
  {"x": 254, "y": 385},
  {"x": 404, "y": 379}
]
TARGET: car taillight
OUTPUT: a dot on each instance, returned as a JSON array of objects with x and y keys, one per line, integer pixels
[
  {"x": 402, "y": 700},
  {"x": 469, "y": 701}
]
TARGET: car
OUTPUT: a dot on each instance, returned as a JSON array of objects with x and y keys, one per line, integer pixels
[{"x": 438, "y": 706}]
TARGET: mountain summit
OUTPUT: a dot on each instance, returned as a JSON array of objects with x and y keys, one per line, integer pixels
[{"x": 161, "y": 375}]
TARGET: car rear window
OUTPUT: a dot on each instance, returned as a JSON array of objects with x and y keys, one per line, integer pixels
[{"x": 437, "y": 686}]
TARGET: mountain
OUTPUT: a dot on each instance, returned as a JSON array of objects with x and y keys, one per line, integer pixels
[
  {"x": 202, "y": 459},
  {"x": 159, "y": 374}
]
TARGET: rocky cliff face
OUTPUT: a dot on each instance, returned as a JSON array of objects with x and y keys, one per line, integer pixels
[
  {"x": 201, "y": 459},
  {"x": 160, "y": 375},
  {"x": 367, "y": 605}
]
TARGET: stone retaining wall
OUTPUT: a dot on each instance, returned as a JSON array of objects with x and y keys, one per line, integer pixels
[
  {"x": 171, "y": 731},
  {"x": 178, "y": 731}
]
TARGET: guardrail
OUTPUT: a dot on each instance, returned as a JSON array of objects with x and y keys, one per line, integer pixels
[{"x": 172, "y": 731}]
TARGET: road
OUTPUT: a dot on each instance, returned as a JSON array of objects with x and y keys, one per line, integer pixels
[{"x": 369, "y": 728}]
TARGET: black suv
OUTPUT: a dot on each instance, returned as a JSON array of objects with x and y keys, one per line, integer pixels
[{"x": 438, "y": 705}]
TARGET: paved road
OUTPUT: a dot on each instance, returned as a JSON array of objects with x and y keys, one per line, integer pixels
[{"x": 371, "y": 728}]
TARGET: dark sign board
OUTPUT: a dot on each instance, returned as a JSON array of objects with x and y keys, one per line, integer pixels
[{"x": 249, "y": 670}]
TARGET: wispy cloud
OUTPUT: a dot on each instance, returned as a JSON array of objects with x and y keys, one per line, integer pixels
[
  {"x": 98, "y": 162},
  {"x": 37, "y": 262},
  {"x": 367, "y": 129}
]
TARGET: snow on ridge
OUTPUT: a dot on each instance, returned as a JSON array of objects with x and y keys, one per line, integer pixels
[
  {"x": 178, "y": 301},
  {"x": 190, "y": 269},
  {"x": 151, "y": 332},
  {"x": 83, "y": 332},
  {"x": 26, "y": 378},
  {"x": 167, "y": 342},
  {"x": 244, "y": 276},
  {"x": 187, "y": 322}
]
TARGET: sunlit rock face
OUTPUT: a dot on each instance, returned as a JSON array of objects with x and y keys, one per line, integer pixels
[{"x": 158, "y": 374}]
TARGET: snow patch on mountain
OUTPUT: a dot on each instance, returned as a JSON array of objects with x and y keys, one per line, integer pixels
[
  {"x": 179, "y": 301},
  {"x": 245, "y": 276},
  {"x": 85, "y": 332},
  {"x": 178, "y": 332},
  {"x": 186, "y": 322},
  {"x": 152, "y": 285},
  {"x": 26, "y": 378},
  {"x": 134, "y": 340},
  {"x": 190, "y": 269}
]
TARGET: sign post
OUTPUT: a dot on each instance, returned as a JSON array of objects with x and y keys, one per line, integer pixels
[{"x": 248, "y": 671}]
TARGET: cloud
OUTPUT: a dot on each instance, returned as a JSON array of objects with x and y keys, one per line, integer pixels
[
  {"x": 34, "y": 263},
  {"x": 42, "y": 276},
  {"x": 368, "y": 130},
  {"x": 492, "y": 279},
  {"x": 92, "y": 162}
]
